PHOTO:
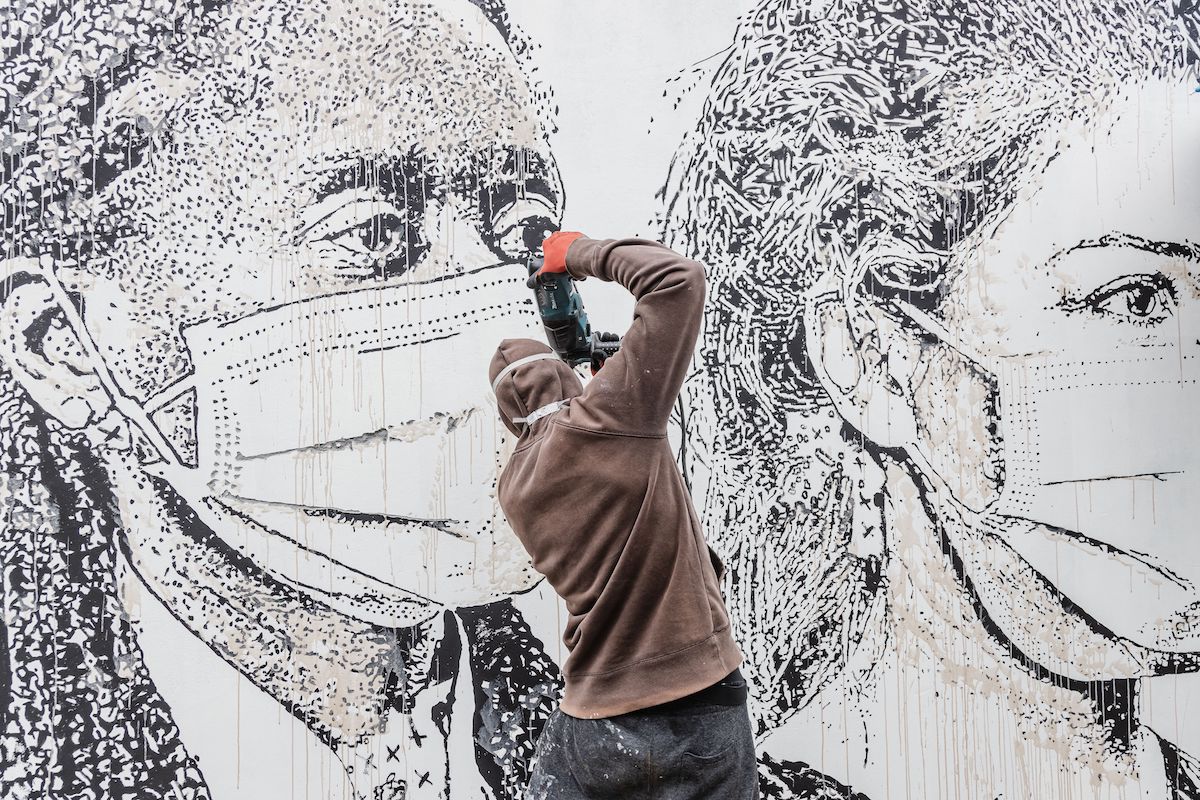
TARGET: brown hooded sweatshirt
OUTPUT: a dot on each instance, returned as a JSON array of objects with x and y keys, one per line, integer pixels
[{"x": 594, "y": 494}]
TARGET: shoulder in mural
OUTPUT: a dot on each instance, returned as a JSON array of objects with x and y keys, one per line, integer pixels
[{"x": 258, "y": 253}]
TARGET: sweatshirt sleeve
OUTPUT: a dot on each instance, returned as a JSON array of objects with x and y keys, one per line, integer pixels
[{"x": 635, "y": 390}]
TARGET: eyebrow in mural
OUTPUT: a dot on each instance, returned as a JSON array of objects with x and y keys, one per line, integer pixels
[
  {"x": 519, "y": 205},
  {"x": 1182, "y": 249}
]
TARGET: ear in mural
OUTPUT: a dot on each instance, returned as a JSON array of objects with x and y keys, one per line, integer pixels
[
  {"x": 251, "y": 247},
  {"x": 945, "y": 412}
]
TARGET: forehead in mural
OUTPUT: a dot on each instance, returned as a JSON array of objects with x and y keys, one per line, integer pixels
[
  {"x": 330, "y": 144},
  {"x": 381, "y": 77},
  {"x": 307, "y": 92}
]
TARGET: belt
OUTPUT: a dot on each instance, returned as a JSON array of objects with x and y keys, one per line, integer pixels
[{"x": 729, "y": 691}]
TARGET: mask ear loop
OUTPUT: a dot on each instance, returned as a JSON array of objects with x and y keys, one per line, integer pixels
[
  {"x": 832, "y": 288},
  {"x": 124, "y": 404},
  {"x": 935, "y": 328}
]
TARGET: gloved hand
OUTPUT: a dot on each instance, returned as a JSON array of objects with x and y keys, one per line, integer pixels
[{"x": 554, "y": 250}]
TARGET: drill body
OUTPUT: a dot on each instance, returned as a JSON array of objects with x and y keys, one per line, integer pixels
[{"x": 568, "y": 330}]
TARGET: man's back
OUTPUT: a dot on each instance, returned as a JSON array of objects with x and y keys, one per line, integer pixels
[{"x": 595, "y": 496}]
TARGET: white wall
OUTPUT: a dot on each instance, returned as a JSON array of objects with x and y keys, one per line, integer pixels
[{"x": 959, "y": 527}]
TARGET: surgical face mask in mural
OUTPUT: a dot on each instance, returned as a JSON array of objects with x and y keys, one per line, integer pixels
[
  {"x": 1066, "y": 427},
  {"x": 339, "y": 435}
]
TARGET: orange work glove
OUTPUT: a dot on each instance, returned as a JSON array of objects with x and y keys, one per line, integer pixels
[{"x": 554, "y": 250}]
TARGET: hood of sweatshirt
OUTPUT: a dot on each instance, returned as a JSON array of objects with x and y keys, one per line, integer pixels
[{"x": 530, "y": 386}]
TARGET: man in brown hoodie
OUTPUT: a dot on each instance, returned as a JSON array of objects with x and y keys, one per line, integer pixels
[{"x": 654, "y": 705}]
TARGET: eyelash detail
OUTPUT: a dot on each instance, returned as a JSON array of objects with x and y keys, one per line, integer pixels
[
  {"x": 1145, "y": 299},
  {"x": 374, "y": 236}
]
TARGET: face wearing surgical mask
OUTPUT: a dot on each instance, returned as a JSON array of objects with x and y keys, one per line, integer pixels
[
  {"x": 1089, "y": 470},
  {"x": 341, "y": 442},
  {"x": 344, "y": 442},
  {"x": 1067, "y": 420},
  {"x": 1050, "y": 399}
]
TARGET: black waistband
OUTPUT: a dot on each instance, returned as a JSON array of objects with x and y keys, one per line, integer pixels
[{"x": 729, "y": 691}]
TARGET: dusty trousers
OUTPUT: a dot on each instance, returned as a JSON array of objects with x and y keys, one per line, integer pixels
[{"x": 702, "y": 751}]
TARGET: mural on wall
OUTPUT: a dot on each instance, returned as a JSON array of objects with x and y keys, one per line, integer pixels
[
  {"x": 248, "y": 246},
  {"x": 257, "y": 254},
  {"x": 944, "y": 422}
]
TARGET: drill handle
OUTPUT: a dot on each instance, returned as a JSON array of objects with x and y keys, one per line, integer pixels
[
  {"x": 533, "y": 265},
  {"x": 604, "y": 346}
]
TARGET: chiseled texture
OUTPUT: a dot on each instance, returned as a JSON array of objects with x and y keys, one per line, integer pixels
[{"x": 595, "y": 495}]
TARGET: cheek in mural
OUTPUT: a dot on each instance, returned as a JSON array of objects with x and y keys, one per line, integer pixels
[{"x": 957, "y": 408}]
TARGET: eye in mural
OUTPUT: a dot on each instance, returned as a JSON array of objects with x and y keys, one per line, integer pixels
[
  {"x": 944, "y": 422},
  {"x": 247, "y": 244}
]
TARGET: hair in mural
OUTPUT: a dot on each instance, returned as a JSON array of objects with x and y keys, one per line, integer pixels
[
  {"x": 133, "y": 144},
  {"x": 90, "y": 91},
  {"x": 865, "y": 150}
]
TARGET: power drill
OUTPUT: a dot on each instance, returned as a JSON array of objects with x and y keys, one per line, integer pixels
[{"x": 567, "y": 328}]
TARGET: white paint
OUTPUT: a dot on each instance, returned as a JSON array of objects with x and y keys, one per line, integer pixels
[{"x": 617, "y": 72}]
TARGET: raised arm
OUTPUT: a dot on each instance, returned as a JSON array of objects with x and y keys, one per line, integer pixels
[{"x": 636, "y": 389}]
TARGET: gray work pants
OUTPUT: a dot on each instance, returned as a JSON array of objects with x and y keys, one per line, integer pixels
[{"x": 686, "y": 754}]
